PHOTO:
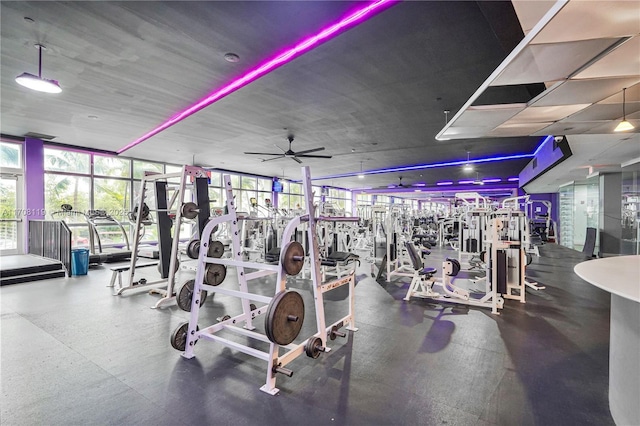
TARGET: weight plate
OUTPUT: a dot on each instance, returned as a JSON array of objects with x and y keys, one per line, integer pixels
[
  {"x": 185, "y": 296},
  {"x": 216, "y": 249},
  {"x": 292, "y": 258},
  {"x": 285, "y": 315},
  {"x": 189, "y": 210},
  {"x": 193, "y": 249},
  {"x": 215, "y": 273},
  {"x": 179, "y": 337},
  {"x": 529, "y": 258},
  {"x": 312, "y": 348}
]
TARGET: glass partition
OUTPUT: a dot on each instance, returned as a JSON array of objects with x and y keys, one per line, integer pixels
[{"x": 630, "y": 243}]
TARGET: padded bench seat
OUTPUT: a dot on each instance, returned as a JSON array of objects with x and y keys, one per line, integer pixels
[
  {"x": 428, "y": 271},
  {"x": 340, "y": 257}
]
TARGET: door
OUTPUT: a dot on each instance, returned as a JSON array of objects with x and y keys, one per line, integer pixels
[{"x": 12, "y": 214}]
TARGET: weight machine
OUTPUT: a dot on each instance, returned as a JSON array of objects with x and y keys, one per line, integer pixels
[
  {"x": 284, "y": 313},
  {"x": 396, "y": 261},
  {"x": 423, "y": 280},
  {"x": 171, "y": 208},
  {"x": 472, "y": 224}
]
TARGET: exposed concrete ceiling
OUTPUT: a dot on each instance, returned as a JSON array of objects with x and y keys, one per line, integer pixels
[{"x": 374, "y": 96}]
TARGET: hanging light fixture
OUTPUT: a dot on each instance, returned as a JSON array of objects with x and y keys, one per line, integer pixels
[
  {"x": 38, "y": 83},
  {"x": 361, "y": 175},
  {"x": 478, "y": 181},
  {"x": 468, "y": 167},
  {"x": 624, "y": 125}
]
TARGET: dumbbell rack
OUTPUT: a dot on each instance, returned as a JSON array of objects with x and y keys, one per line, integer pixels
[
  {"x": 279, "y": 336},
  {"x": 164, "y": 209}
]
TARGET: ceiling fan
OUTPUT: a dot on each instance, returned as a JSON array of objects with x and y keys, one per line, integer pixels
[
  {"x": 399, "y": 185},
  {"x": 295, "y": 156}
]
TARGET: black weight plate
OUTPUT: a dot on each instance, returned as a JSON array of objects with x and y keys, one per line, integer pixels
[
  {"x": 193, "y": 249},
  {"x": 311, "y": 348},
  {"x": 277, "y": 325},
  {"x": 216, "y": 249},
  {"x": 185, "y": 295},
  {"x": 179, "y": 337},
  {"x": 293, "y": 266},
  {"x": 214, "y": 274},
  {"x": 529, "y": 258},
  {"x": 189, "y": 210}
]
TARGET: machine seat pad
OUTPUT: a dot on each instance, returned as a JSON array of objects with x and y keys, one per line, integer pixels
[
  {"x": 341, "y": 257},
  {"x": 428, "y": 271}
]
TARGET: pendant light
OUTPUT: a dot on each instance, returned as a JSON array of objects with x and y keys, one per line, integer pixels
[
  {"x": 468, "y": 167},
  {"x": 38, "y": 83},
  {"x": 361, "y": 175},
  {"x": 624, "y": 125}
]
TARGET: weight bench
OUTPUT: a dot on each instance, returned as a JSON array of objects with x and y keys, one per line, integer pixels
[
  {"x": 116, "y": 272},
  {"x": 337, "y": 260}
]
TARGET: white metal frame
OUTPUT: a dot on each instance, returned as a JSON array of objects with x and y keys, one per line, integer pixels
[
  {"x": 175, "y": 206},
  {"x": 19, "y": 213},
  {"x": 277, "y": 357},
  {"x": 422, "y": 286}
]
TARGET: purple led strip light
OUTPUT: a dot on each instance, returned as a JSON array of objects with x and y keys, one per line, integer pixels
[{"x": 290, "y": 54}]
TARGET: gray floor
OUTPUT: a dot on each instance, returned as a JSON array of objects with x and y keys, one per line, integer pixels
[{"x": 74, "y": 354}]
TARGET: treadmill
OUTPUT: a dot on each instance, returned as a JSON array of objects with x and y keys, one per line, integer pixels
[
  {"x": 95, "y": 220},
  {"x": 100, "y": 219}
]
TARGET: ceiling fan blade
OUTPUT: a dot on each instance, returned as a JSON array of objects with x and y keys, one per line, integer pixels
[
  {"x": 309, "y": 151},
  {"x": 274, "y": 158},
  {"x": 295, "y": 159},
  {"x": 263, "y": 153},
  {"x": 314, "y": 156},
  {"x": 283, "y": 150}
]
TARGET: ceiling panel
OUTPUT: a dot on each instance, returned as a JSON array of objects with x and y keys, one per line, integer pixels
[
  {"x": 583, "y": 91},
  {"x": 537, "y": 63},
  {"x": 607, "y": 127},
  {"x": 622, "y": 61},
  {"x": 585, "y": 20},
  {"x": 545, "y": 113},
  {"x": 632, "y": 94},
  {"x": 603, "y": 112},
  {"x": 517, "y": 129},
  {"x": 490, "y": 117},
  {"x": 568, "y": 128}
]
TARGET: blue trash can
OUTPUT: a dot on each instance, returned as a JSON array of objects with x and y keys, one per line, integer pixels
[{"x": 79, "y": 261}]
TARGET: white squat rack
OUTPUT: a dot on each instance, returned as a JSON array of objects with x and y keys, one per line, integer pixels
[
  {"x": 179, "y": 207},
  {"x": 284, "y": 313}
]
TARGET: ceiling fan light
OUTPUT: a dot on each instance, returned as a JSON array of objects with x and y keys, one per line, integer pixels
[
  {"x": 623, "y": 126},
  {"x": 467, "y": 168},
  {"x": 39, "y": 84},
  {"x": 360, "y": 176}
]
